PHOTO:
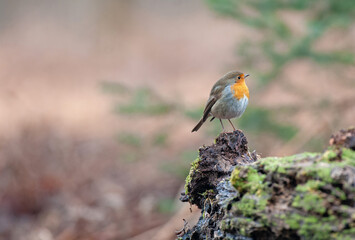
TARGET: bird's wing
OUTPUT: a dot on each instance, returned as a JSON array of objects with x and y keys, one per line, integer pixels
[
  {"x": 215, "y": 94},
  {"x": 211, "y": 101}
]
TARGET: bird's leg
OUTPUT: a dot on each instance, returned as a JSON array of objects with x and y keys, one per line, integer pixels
[
  {"x": 231, "y": 124},
  {"x": 221, "y": 124}
]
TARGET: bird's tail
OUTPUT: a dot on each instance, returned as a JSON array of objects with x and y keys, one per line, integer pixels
[{"x": 199, "y": 124}]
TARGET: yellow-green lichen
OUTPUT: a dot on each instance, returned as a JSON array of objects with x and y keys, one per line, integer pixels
[
  {"x": 251, "y": 204},
  {"x": 348, "y": 156},
  {"x": 316, "y": 169},
  {"x": 309, "y": 202},
  {"x": 310, "y": 185},
  {"x": 322, "y": 168},
  {"x": 348, "y": 234},
  {"x": 194, "y": 166},
  {"x": 207, "y": 193},
  {"x": 247, "y": 178},
  {"x": 293, "y": 220},
  {"x": 337, "y": 192},
  {"x": 321, "y": 171},
  {"x": 282, "y": 164},
  {"x": 329, "y": 155},
  {"x": 311, "y": 227}
]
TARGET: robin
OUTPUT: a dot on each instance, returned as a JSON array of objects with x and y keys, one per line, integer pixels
[{"x": 228, "y": 99}]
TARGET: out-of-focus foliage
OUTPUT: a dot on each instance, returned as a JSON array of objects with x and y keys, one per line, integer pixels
[
  {"x": 144, "y": 102},
  {"x": 180, "y": 168},
  {"x": 129, "y": 139},
  {"x": 195, "y": 113},
  {"x": 260, "y": 120},
  {"x": 166, "y": 205},
  {"x": 113, "y": 87},
  {"x": 264, "y": 16}
]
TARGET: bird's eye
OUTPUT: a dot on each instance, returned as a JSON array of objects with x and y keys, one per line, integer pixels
[{"x": 238, "y": 77}]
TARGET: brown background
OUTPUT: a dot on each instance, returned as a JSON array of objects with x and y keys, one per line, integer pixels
[{"x": 71, "y": 168}]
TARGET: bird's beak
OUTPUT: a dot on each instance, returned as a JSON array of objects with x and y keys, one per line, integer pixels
[{"x": 246, "y": 75}]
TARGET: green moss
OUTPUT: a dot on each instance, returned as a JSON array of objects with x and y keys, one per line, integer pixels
[
  {"x": 329, "y": 154},
  {"x": 236, "y": 180},
  {"x": 208, "y": 193},
  {"x": 310, "y": 185},
  {"x": 281, "y": 169},
  {"x": 194, "y": 166},
  {"x": 337, "y": 192},
  {"x": 320, "y": 170},
  {"x": 281, "y": 216},
  {"x": 247, "y": 178},
  {"x": 251, "y": 204},
  {"x": 187, "y": 182},
  {"x": 322, "y": 167},
  {"x": 293, "y": 220},
  {"x": 348, "y": 156},
  {"x": 282, "y": 164},
  {"x": 348, "y": 234},
  {"x": 311, "y": 227},
  {"x": 242, "y": 231},
  {"x": 314, "y": 219},
  {"x": 195, "y": 163},
  {"x": 309, "y": 202},
  {"x": 317, "y": 168}
]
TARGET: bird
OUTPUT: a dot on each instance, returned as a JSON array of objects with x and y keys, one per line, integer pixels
[{"x": 228, "y": 99}]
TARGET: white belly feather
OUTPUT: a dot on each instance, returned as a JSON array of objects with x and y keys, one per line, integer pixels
[{"x": 229, "y": 106}]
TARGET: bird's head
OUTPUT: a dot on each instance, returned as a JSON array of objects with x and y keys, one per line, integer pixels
[
  {"x": 235, "y": 77},
  {"x": 241, "y": 77}
]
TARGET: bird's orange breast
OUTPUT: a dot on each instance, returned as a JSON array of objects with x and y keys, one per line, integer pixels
[{"x": 240, "y": 89}]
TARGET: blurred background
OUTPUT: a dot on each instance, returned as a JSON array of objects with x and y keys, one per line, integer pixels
[{"x": 98, "y": 99}]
